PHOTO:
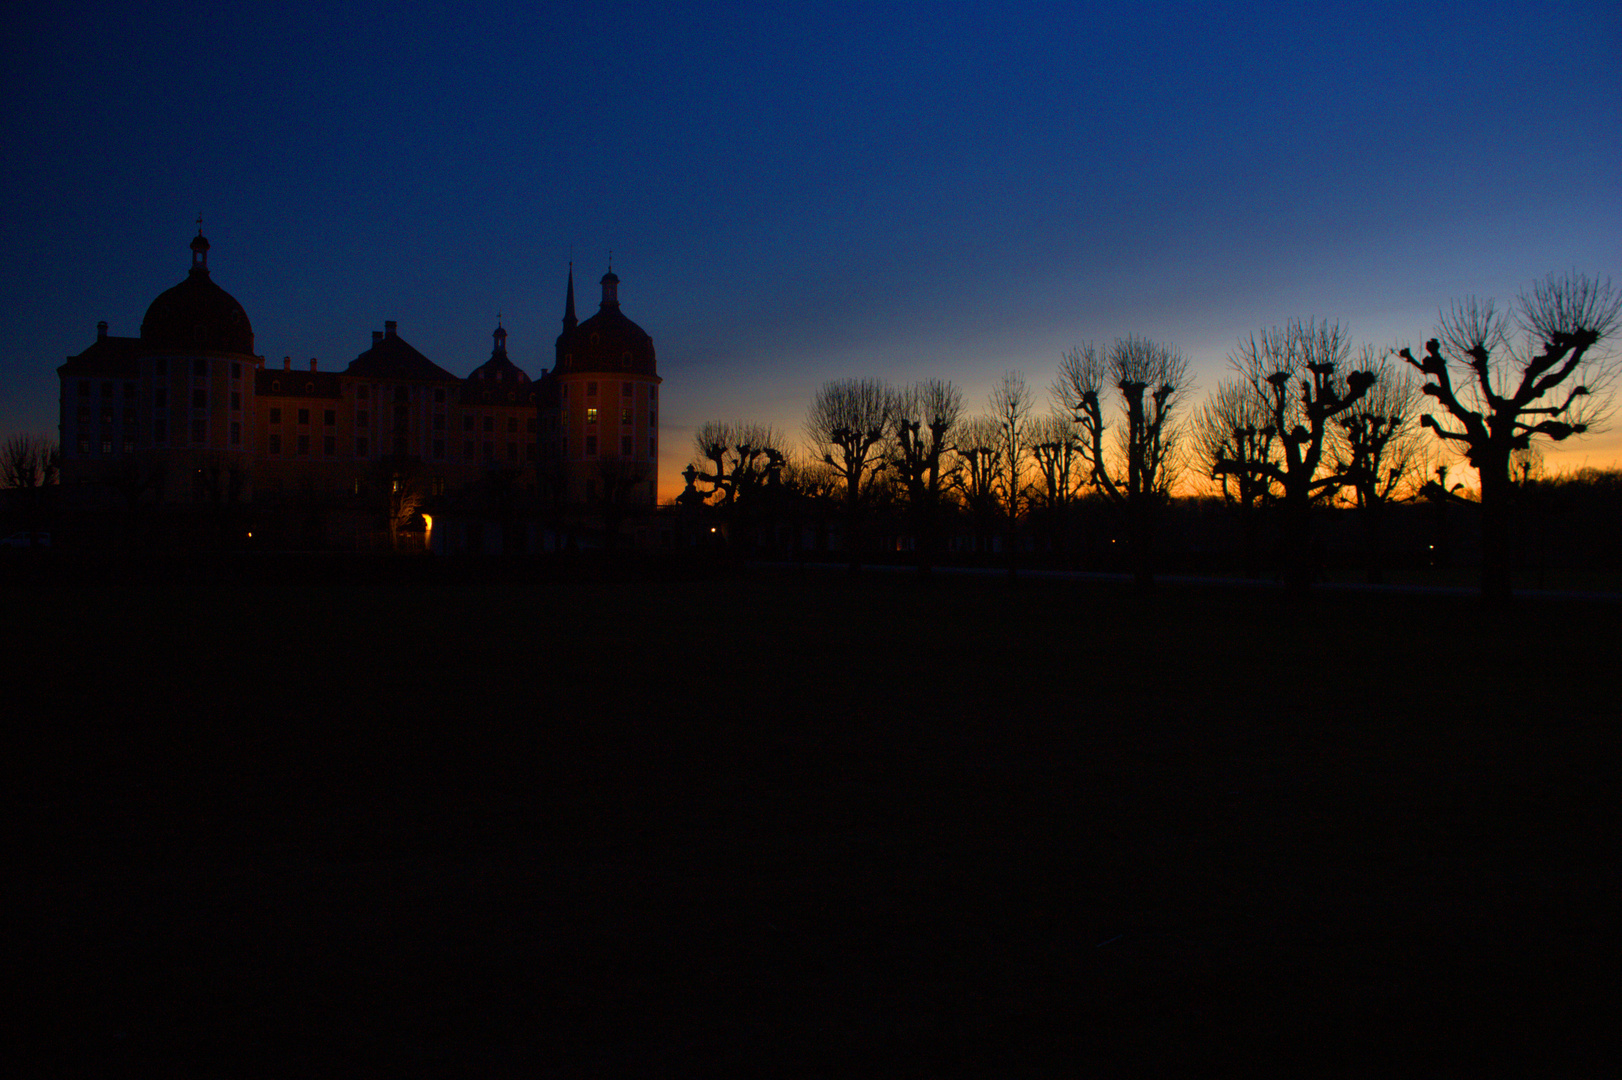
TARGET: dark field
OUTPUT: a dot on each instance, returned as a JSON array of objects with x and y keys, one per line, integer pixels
[{"x": 804, "y": 825}]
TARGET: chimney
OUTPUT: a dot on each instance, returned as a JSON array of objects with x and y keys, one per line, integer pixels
[
  {"x": 101, "y": 330},
  {"x": 377, "y": 336},
  {"x": 389, "y": 328},
  {"x": 287, "y": 363},
  {"x": 312, "y": 363}
]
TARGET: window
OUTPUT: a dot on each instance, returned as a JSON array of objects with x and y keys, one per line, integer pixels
[
  {"x": 363, "y": 392},
  {"x": 199, "y": 398},
  {"x": 439, "y": 397},
  {"x": 303, "y": 445},
  {"x": 401, "y": 412},
  {"x": 467, "y": 423},
  {"x": 362, "y": 418},
  {"x": 439, "y": 421},
  {"x": 565, "y": 390},
  {"x": 84, "y": 391},
  {"x": 489, "y": 423},
  {"x": 625, "y": 446},
  {"x": 652, "y": 450},
  {"x": 160, "y": 397},
  {"x": 529, "y": 451},
  {"x": 400, "y": 444},
  {"x": 653, "y": 417},
  {"x": 274, "y": 444},
  {"x": 199, "y": 367},
  {"x": 129, "y": 390},
  {"x": 591, "y": 446},
  {"x": 106, "y": 446},
  {"x": 625, "y": 389},
  {"x": 529, "y": 425},
  {"x": 330, "y": 417},
  {"x": 275, "y": 416},
  {"x": 591, "y": 389},
  {"x": 467, "y": 450},
  {"x": 653, "y": 393},
  {"x": 84, "y": 445},
  {"x": 512, "y": 452},
  {"x": 129, "y": 445},
  {"x": 625, "y": 416},
  {"x": 236, "y": 433},
  {"x": 199, "y": 431},
  {"x": 489, "y": 451},
  {"x": 439, "y": 449},
  {"x": 236, "y": 401},
  {"x": 84, "y": 416},
  {"x": 329, "y": 445},
  {"x": 160, "y": 431},
  {"x": 361, "y": 446},
  {"x": 591, "y": 416},
  {"x": 236, "y": 370},
  {"x": 304, "y": 416},
  {"x": 512, "y": 425}
]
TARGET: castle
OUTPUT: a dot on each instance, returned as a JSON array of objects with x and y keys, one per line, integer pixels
[{"x": 187, "y": 413}]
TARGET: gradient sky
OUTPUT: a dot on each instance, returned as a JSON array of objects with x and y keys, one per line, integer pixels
[{"x": 890, "y": 190}]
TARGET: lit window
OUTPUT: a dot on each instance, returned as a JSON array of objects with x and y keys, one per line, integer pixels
[
  {"x": 625, "y": 416},
  {"x": 591, "y": 416}
]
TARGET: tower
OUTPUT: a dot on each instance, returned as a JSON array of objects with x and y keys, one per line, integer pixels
[{"x": 606, "y": 402}]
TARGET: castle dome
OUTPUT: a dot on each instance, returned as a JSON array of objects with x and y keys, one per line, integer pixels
[
  {"x": 606, "y": 342},
  {"x": 197, "y": 314}
]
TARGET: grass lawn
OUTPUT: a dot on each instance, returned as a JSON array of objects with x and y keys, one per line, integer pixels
[{"x": 810, "y": 825}]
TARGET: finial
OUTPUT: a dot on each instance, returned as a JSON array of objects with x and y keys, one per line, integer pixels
[{"x": 199, "y": 223}]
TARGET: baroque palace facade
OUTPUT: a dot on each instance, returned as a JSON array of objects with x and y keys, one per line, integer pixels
[{"x": 187, "y": 412}]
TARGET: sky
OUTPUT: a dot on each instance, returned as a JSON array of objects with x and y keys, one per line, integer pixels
[{"x": 805, "y": 193}]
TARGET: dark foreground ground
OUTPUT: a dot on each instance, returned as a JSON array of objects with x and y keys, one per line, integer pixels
[{"x": 807, "y": 826}]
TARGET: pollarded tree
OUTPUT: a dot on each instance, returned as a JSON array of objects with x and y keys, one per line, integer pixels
[
  {"x": 1293, "y": 374},
  {"x": 1137, "y": 474},
  {"x": 740, "y": 459},
  {"x": 978, "y": 453},
  {"x": 926, "y": 417},
  {"x": 1232, "y": 436},
  {"x": 1011, "y": 411},
  {"x": 1378, "y": 448},
  {"x": 846, "y": 424},
  {"x": 29, "y": 461},
  {"x": 1057, "y": 453},
  {"x": 1510, "y": 394}
]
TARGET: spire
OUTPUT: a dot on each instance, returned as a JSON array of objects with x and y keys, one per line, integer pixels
[
  {"x": 611, "y": 286},
  {"x": 569, "y": 321},
  {"x": 501, "y": 339}
]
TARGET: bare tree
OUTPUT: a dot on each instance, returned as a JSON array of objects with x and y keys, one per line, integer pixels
[
  {"x": 846, "y": 424},
  {"x": 1137, "y": 474},
  {"x": 29, "y": 461},
  {"x": 1379, "y": 450},
  {"x": 1292, "y": 374},
  {"x": 979, "y": 451},
  {"x": 1550, "y": 385},
  {"x": 1232, "y": 437},
  {"x": 1057, "y": 453},
  {"x": 1011, "y": 404},
  {"x": 742, "y": 458},
  {"x": 926, "y": 416}
]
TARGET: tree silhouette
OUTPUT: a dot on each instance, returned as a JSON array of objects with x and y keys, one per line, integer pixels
[
  {"x": 927, "y": 415},
  {"x": 1057, "y": 453},
  {"x": 1378, "y": 449},
  {"x": 1011, "y": 411},
  {"x": 29, "y": 461},
  {"x": 1549, "y": 386},
  {"x": 978, "y": 452},
  {"x": 846, "y": 424},
  {"x": 1292, "y": 374},
  {"x": 1135, "y": 476},
  {"x": 1232, "y": 437}
]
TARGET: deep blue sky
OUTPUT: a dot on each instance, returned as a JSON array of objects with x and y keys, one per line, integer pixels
[{"x": 897, "y": 190}]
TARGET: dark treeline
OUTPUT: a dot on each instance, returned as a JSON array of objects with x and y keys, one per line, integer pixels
[{"x": 1314, "y": 454}]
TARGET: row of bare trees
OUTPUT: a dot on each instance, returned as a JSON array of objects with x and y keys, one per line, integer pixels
[{"x": 1304, "y": 418}]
